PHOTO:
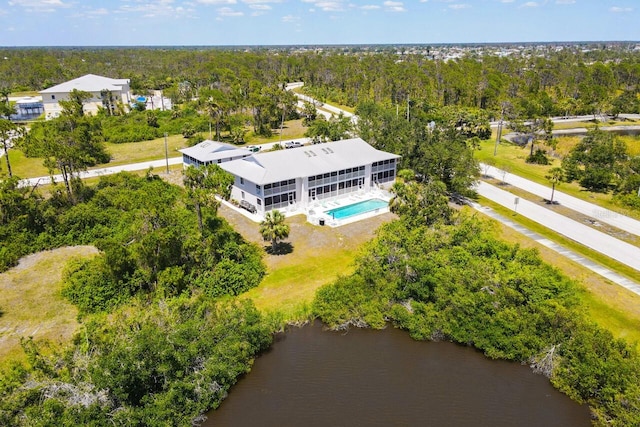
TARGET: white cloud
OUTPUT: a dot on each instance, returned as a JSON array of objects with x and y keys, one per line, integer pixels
[
  {"x": 39, "y": 5},
  {"x": 459, "y": 6},
  {"x": 90, "y": 13},
  {"x": 394, "y": 6},
  {"x": 617, "y": 9},
  {"x": 326, "y": 5},
  {"x": 151, "y": 9},
  {"x": 254, "y": 2},
  {"x": 507, "y": 1},
  {"x": 227, "y": 11},
  {"x": 260, "y": 7},
  {"x": 290, "y": 18},
  {"x": 217, "y": 2},
  {"x": 330, "y": 6},
  {"x": 565, "y": 1},
  {"x": 370, "y": 7},
  {"x": 530, "y": 4}
]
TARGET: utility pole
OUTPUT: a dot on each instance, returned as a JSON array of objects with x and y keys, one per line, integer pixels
[
  {"x": 495, "y": 150},
  {"x": 166, "y": 152},
  {"x": 282, "y": 122},
  {"x": 408, "y": 106}
]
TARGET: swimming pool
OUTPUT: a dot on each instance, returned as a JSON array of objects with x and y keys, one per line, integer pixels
[{"x": 356, "y": 208}]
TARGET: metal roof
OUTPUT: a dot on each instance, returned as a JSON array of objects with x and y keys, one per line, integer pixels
[
  {"x": 211, "y": 151},
  {"x": 308, "y": 160},
  {"x": 88, "y": 83}
]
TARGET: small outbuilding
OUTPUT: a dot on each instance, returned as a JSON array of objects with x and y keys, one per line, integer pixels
[{"x": 212, "y": 152}]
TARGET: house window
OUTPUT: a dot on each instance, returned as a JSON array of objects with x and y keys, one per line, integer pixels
[
  {"x": 242, "y": 194},
  {"x": 53, "y": 97},
  {"x": 242, "y": 183},
  {"x": 259, "y": 202}
]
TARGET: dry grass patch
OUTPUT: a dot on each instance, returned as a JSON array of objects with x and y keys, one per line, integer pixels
[
  {"x": 143, "y": 151},
  {"x": 31, "y": 302}
]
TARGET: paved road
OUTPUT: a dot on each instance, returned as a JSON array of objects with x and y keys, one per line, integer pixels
[
  {"x": 585, "y": 262},
  {"x": 596, "y": 212},
  {"x": 574, "y": 119},
  {"x": 326, "y": 110},
  {"x": 610, "y": 246},
  {"x": 158, "y": 165}
]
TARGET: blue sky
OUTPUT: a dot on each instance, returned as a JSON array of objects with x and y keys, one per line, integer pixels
[{"x": 277, "y": 22}]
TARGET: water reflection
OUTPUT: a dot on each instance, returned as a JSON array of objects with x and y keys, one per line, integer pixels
[{"x": 384, "y": 378}]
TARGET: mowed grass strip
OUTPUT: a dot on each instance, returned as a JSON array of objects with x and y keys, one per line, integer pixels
[
  {"x": 31, "y": 302},
  {"x": 511, "y": 157}
]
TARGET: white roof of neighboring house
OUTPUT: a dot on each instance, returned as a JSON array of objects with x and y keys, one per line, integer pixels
[
  {"x": 88, "y": 83},
  {"x": 211, "y": 151},
  {"x": 275, "y": 166}
]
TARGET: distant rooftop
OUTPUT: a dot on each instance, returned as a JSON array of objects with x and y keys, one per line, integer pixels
[
  {"x": 211, "y": 151},
  {"x": 88, "y": 83}
]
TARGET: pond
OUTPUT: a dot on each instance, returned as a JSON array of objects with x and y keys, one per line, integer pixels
[{"x": 311, "y": 377}]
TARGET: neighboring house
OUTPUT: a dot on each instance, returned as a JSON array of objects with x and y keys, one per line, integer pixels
[
  {"x": 99, "y": 87},
  {"x": 208, "y": 152},
  {"x": 298, "y": 178},
  {"x": 28, "y": 108}
]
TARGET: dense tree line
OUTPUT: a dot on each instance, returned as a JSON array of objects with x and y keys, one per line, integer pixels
[
  {"x": 573, "y": 80},
  {"x": 147, "y": 231},
  {"x": 444, "y": 276},
  {"x": 158, "y": 345},
  {"x": 162, "y": 363}
]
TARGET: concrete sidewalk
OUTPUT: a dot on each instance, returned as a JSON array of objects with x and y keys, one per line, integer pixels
[
  {"x": 613, "y": 248},
  {"x": 596, "y": 268},
  {"x": 156, "y": 164},
  {"x": 599, "y": 213}
]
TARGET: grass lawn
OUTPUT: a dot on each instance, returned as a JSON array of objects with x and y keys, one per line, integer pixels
[
  {"x": 31, "y": 302},
  {"x": 143, "y": 151},
  {"x": 318, "y": 256},
  {"x": 292, "y": 129},
  {"x": 23, "y": 166}
]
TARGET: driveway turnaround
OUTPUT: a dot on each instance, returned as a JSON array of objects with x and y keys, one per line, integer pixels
[
  {"x": 593, "y": 266},
  {"x": 610, "y": 246},
  {"x": 596, "y": 212}
]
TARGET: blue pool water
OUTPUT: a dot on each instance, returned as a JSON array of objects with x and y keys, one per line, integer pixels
[{"x": 357, "y": 208}]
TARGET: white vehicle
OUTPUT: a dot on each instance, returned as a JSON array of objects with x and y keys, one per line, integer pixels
[{"x": 292, "y": 144}]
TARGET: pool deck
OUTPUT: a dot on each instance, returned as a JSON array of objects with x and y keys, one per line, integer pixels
[{"x": 316, "y": 211}]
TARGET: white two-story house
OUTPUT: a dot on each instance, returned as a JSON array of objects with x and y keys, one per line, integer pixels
[
  {"x": 297, "y": 178},
  {"x": 95, "y": 85}
]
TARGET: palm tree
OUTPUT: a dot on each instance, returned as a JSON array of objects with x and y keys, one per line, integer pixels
[
  {"x": 273, "y": 228},
  {"x": 555, "y": 176}
]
